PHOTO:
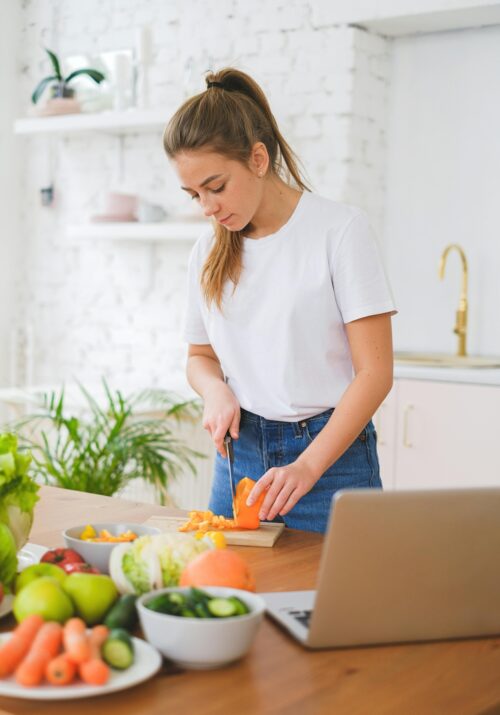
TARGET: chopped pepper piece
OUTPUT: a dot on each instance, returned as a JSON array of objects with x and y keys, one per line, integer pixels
[{"x": 245, "y": 517}]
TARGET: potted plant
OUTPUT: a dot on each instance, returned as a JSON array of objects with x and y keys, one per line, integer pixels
[
  {"x": 60, "y": 88},
  {"x": 104, "y": 448}
]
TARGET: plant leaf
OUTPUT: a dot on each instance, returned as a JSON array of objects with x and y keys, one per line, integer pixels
[
  {"x": 37, "y": 92},
  {"x": 93, "y": 74},
  {"x": 55, "y": 63}
]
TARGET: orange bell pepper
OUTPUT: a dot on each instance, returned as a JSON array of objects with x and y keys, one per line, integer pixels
[{"x": 246, "y": 517}]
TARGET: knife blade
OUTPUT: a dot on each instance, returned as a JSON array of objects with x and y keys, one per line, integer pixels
[{"x": 230, "y": 461}]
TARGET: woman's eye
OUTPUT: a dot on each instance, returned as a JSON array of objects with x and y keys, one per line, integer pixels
[{"x": 217, "y": 191}]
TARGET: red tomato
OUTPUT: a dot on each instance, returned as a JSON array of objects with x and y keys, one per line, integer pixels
[
  {"x": 74, "y": 567},
  {"x": 61, "y": 557}
]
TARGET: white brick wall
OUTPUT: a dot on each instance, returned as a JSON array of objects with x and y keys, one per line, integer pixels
[{"x": 115, "y": 309}]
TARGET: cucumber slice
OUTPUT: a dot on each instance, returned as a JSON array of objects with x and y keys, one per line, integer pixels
[
  {"x": 118, "y": 649},
  {"x": 241, "y": 608},
  {"x": 221, "y": 607}
]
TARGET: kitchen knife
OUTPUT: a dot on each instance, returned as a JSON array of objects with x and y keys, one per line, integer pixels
[{"x": 230, "y": 461}]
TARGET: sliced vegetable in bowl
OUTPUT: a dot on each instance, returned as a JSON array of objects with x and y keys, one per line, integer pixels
[
  {"x": 215, "y": 635},
  {"x": 197, "y": 604},
  {"x": 104, "y": 535},
  {"x": 97, "y": 553}
]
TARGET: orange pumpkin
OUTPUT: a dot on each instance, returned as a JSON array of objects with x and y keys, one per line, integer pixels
[{"x": 218, "y": 567}]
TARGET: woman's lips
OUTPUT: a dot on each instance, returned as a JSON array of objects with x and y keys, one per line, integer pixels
[{"x": 225, "y": 220}]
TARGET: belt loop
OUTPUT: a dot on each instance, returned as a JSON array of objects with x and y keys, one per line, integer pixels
[{"x": 298, "y": 427}]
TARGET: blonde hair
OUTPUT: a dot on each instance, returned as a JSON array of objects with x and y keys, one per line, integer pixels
[{"x": 229, "y": 118}]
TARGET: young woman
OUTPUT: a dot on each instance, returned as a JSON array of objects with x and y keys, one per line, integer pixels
[{"x": 288, "y": 317}]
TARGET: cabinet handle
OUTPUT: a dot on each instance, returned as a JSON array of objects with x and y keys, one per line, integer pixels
[
  {"x": 378, "y": 426},
  {"x": 406, "y": 419}
]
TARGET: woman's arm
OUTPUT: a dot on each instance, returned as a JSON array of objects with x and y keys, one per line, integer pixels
[
  {"x": 370, "y": 341},
  {"x": 221, "y": 411}
]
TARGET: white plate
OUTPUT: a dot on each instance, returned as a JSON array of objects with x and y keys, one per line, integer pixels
[
  {"x": 147, "y": 663},
  {"x": 28, "y": 555}
]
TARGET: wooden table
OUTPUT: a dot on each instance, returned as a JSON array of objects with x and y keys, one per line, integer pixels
[{"x": 278, "y": 675}]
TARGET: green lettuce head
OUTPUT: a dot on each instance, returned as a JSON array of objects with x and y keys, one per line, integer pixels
[{"x": 18, "y": 492}]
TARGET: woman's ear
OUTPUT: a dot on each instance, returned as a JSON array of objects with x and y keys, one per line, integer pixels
[{"x": 259, "y": 159}]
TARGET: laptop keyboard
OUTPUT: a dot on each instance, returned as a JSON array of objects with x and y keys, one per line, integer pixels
[{"x": 302, "y": 616}]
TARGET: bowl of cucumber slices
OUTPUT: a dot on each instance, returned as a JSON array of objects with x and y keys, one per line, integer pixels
[{"x": 201, "y": 628}]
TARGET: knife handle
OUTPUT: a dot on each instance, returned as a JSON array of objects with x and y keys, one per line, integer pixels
[{"x": 229, "y": 446}]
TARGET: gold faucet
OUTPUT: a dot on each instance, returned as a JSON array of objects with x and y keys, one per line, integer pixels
[{"x": 461, "y": 325}]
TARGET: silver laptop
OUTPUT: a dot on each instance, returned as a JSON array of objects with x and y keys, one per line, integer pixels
[{"x": 401, "y": 566}]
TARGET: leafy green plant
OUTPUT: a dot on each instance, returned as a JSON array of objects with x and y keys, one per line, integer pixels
[
  {"x": 105, "y": 448},
  {"x": 59, "y": 80}
]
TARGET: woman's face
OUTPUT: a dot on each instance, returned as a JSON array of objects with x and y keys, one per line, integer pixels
[{"x": 226, "y": 189}]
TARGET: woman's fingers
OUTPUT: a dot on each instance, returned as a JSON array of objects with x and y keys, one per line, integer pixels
[
  {"x": 218, "y": 438},
  {"x": 281, "y": 500},
  {"x": 260, "y": 486},
  {"x": 273, "y": 481},
  {"x": 290, "y": 503},
  {"x": 234, "y": 427}
]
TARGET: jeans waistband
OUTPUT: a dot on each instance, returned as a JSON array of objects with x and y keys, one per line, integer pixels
[{"x": 262, "y": 421}]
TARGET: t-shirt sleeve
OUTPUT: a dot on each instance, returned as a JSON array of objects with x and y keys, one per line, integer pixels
[
  {"x": 359, "y": 280},
  {"x": 194, "y": 326}
]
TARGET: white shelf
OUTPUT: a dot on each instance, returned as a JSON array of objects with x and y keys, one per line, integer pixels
[
  {"x": 186, "y": 231},
  {"x": 133, "y": 120}
]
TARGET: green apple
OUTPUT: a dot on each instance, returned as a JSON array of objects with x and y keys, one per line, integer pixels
[
  {"x": 44, "y": 596},
  {"x": 35, "y": 571},
  {"x": 92, "y": 594}
]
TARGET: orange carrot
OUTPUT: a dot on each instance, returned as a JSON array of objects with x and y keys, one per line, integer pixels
[
  {"x": 16, "y": 648},
  {"x": 75, "y": 641},
  {"x": 45, "y": 646},
  {"x": 61, "y": 670},
  {"x": 95, "y": 671}
]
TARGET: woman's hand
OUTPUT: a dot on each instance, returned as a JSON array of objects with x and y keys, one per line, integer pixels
[
  {"x": 284, "y": 486},
  {"x": 221, "y": 413}
]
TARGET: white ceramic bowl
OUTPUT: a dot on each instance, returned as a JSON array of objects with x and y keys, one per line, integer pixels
[
  {"x": 201, "y": 643},
  {"x": 98, "y": 553}
]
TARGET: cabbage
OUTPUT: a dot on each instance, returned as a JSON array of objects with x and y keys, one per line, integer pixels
[
  {"x": 18, "y": 492},
  {"x": 151, "y": 562},
  {"x": 135, "y": 565},
  {"x": 174, "y": 552},
  {"x": 8, "y": 557}
]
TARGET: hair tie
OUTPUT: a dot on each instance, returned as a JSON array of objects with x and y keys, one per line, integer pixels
[{"x": 215, "y": 84}]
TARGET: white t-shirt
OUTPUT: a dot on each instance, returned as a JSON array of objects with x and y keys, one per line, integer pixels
[{"x": 280, "y": 337}]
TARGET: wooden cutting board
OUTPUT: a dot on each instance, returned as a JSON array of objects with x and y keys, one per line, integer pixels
[{"x": 265, "y": 535}]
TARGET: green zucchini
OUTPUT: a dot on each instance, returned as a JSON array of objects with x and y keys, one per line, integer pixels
[
  {"x": 118, "y": 649},
  {"x": 123, "y": 614}
]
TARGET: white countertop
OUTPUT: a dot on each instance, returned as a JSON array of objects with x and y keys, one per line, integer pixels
[{"x": 472, "y": 375}]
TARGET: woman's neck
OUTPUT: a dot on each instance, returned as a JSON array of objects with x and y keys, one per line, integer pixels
[{"x": 278, "y": 204}]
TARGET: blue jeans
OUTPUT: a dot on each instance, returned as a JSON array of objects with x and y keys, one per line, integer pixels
[{"x": 263, "y": 444}]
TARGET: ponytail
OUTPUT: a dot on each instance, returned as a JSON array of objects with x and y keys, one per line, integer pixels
[{"x": 229, "y": 118}]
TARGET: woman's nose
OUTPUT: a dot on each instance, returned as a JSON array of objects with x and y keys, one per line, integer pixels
[{"x": 209, "y": 206}]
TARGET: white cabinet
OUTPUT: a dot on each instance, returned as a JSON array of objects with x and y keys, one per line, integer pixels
[
  {"x": 439, "y": 434},
  {"x": 385, "y": 421}
]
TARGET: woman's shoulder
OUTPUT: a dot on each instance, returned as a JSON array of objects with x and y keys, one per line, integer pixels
[{"x": 330, "y": 213}]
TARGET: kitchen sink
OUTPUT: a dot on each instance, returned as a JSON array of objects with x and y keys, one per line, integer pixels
[{"x": 445, "y": 360}]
